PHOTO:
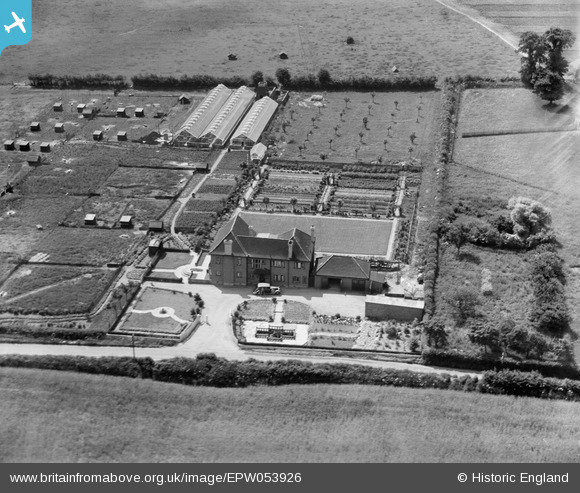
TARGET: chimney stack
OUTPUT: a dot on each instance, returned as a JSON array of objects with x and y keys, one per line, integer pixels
[
  {"x": 251, "y": 231},
  {"x": 228, "y": 247},
  {"x": 290, "y": 249}
]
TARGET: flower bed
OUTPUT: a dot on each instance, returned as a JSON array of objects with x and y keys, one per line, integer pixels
[
  {"x": 259, "y": 310},
  {"x": 201, "y": 205},
  {"x": 191, "y": 222}
]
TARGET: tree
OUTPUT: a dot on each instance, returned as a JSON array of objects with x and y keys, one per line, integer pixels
[
  {"x": 336, "y": 130},
  {"x": 323, "y": 156},
  {"x": 365, "y": 122},
  {"x": 266, "y": 201},
  {"x": 257, "y": 77},
  {"x": 370, "y": 107},
  {"x": 549, "y": 86},
  {"x": 300, "y": 149},
  {"x": 458, "y": 234},
  {"x": 435, "y": 333},
  {"x": 330, "y": 144},
  {"x": 533, "y": 50},
  {"x": 464, "y": 302},
  {"x": 385, "y": 144},
  {"x": 485, "y": 334},
  {"x": 410, "y": 152},
  {"x": 361, "y": 135},
  {"x": 313, "y": 119},
  {"x": 283, "y": 76},
  {"x": 292, "y": 111},
  {"x": 528, "y": 216},
  {"x": 324, "y": 77},
  {"x": 346, "y": 101},
  {"x": 413, "y": 137},
  {"x": 397, "y": 105},
  {"x": 556, "y": 40},
  {"x": 373, "y": 95},
  {"x": 349, "y": 40},
  {"x": 356, "y": 149},
  {"x": 339, "y": 204},
  {"x": 293, "y": 202}
]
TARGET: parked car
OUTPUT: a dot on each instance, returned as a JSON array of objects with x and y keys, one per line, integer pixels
[{"x": 264, "y": 289}]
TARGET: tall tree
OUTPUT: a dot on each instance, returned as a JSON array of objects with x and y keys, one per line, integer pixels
[{"x": 533, "y": 52}]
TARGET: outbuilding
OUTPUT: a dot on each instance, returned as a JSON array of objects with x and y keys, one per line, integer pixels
[
  {"x": 34, "y": 159},
  {"x": 122, "y": 135},
  {"x": 35, "y": 127},
  {"x": 9, "y": 145},
  {"x": 89, "y": 112},
  {"x": 393, "y": 308},
  {"x": 258, "y": 153},
  {"x": 59, "y": 128},
  {"x": 156, "y": 226},
  {"x": 57, "y": 107},
  {"x": 283, "y": 55},
  {"x": 184, "y": 99},
  {"x": 202, "y": 167},
  {"x": 98, "y": 135},
  {"x": 121, "y": 112},
  {"x": 81, "y": 107},
  {"x": 126, "y": 221},
  {"x": 140, "y": 112},
  {"x": 155, "y": 246},
  {"x": 90, "y": 220},
  {"x": 345, "y": 273},
  {"x": 45, "y": 147},
  {"x": 24, "y": 145}
]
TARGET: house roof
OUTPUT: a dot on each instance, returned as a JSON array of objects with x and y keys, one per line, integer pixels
[
  {"x": 258, "y": 151},
  {"x": 245, "y": 243},
  {"x": 338, "y": 266},
  {"x": 257, "y": 119}
]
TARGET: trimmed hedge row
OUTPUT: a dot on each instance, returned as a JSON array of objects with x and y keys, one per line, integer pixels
[
  {"x": 363, "y": 83},
  {"x": 186, "y": 82},
  {"x": 96, "y": 81},
  {"x": 209, "y": 370},
  {"x": 452, "y": 359},
  {"x": 73, "y": 334}
]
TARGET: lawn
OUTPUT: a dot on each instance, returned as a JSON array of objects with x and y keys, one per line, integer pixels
[
  {"x": 259, "y": 310},
  {"x": 86, "y": 246},
  {"x": 385, "y": 136},
  {"x": 420, "y": 37},
  {"x": 173, "y": 260},
  {"x": 190, "y": 222},
  {"x": 44, "y": 412},
  {"x": 296, "y": 312},
  {"x": 145, "y": 322},
  {"x": 151, "y": 298},
  {"x": 146, "y": 183},
  {"x": 333, "y": 235},
  {"x": 54, "y": 290}
]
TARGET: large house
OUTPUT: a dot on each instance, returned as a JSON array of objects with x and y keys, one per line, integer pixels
[
  {"x": 240, "y": 256},
  {"x": 243, "y": 256}
]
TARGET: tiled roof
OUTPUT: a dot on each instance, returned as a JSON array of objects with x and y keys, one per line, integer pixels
[{"x": 338, "y": 266}]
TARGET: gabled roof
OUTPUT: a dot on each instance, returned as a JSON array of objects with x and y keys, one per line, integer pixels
[
  {"x": 246, "y": 243},
  {"x": 338, "y": 266},
  {"x": 257, "y": 119}
]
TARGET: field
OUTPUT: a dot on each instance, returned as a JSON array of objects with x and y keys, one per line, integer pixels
[
  {"x": 418, "y": 36},
  {"x": 491, "y": 170},
  {"x": 518, "y": 16},
  {"x": 333, "y": 235},
  {"x": 146, "y": 183},
  {"x": 45, "y": 412},
  {"x": 230, "y": 165},
  {"x": 86, "y": 246},
  {"x": 54, "y": 290},
  {"x": 218, "y": 186},
  {"x": 384, "y": 137}
]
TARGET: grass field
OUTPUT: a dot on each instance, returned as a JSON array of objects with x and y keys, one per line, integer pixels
[
  {"x": 124, "y": 420},
  {"x": 54, "y": 289},
  {"x": 146, "y": 183},
  {"x": 418, "y": 36},
  {"x": 490, "y": 170},
  {"x": 173, "y": 260},
  {"x": 333, "y": 235},
  {"x": 86, "y": 246},
  {"x": 343, "y": 123},
  {"x": 151, "y": 298}
]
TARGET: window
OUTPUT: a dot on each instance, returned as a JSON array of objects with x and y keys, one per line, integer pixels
[
  {"x": 299, "y": 265},
  {"x": 279, "y": 263},
  {"x": 218, "y": 260},
  {"x": 278, "y": 277},
  {"x": 296, "y": 279},
  {"x": 239, "y": 260},
  {"x": 238, "y": 274},
  {"x": 257, "y": 263},
  {"x": 304, "y": 280},
  {"x": 218, "y": 272}
]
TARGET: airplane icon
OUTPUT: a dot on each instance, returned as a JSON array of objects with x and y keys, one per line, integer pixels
[{"x": 17, "y": 23}]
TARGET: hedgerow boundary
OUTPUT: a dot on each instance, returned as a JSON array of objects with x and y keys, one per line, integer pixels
[{"x": 210, "y": 371}]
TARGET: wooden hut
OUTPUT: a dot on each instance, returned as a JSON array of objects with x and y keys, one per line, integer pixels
[
  {"x": 9, "y": 145},
  {"x": 57, "y": 107},
  {"x": 98, "y": 135},
  {"x": 45, "y": 147},
  {"x": 59, "y": 128},
  {"x": 126, "y": 221},
  {"x": 35, "y": 127},
  {"x": 140, "y": 112},
  {"x": 90, "y": 220},
  {"x": 122, "y": 135}
]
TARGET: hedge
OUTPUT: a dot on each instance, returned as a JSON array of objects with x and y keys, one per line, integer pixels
[
  {"x": 186, "y": 82},
  {"x": 96, "y": 81},
  {"x": 363, "y": 83},
  {"x": 209, "y": 370},
  {"x": 72, "y": 334},
  {"x": 452, "y": 359}
]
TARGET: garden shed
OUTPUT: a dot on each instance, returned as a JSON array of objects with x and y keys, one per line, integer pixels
[
  {"x": 202, "y": 167},
  {"x": 140, "y": 112},
  {"x": 9, "y": 145},
  {"x": 90, "y": 219},
  {"x": 258, "y": 153},
  {"x": 184, "y": 99},
  {"x": 45, "y": 147},
  {"x": 98, "y": 135},
  {"x": 155, "y": 246},
  {"x": 57, "y": 107},
  {"x": 121, "y": 112},
  {"x": 35, "y": 127},
  {"x": 126, "y": 221},
  {"x": 34, "y": 159},
  {"x": 122, "y": 135},
  {"x": 81, "y": 107},
  {"x": 24, "y": 145},
  {"x": 89, "y": 112},
  {"x": 59, "y": 128},
  {"x": 156, "y": 226}
]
